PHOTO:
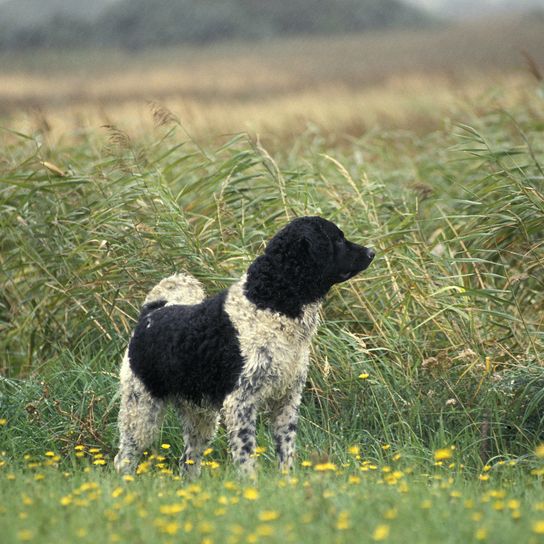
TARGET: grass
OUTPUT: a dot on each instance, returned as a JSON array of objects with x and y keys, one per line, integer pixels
[
  {"x": 322, "y": 503},
  {"x": 438, "y": 344}
]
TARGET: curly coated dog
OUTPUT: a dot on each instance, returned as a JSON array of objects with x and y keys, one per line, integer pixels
[{"x": 243, "y": 349}]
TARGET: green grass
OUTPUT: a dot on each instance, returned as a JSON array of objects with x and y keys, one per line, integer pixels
[
  {"x": 447, "y": 323},
  {"x": 346, "y": 505}
]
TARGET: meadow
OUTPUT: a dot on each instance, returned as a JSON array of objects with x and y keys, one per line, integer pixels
[{"x": 422, "y": 419}]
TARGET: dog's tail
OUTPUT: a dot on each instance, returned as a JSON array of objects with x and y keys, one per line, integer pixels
[{"x": 179, "y": 288}]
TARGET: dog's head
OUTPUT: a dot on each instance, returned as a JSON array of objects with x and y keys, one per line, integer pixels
[{"x": 306, "y": 258}]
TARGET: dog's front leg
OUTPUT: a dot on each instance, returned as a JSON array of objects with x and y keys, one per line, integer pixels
[
  {"x": 284, "y": 424},
  {"x": 240, "y": 411}
]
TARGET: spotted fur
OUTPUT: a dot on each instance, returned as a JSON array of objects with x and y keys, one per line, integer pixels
[{"x": 235, "y": 353}]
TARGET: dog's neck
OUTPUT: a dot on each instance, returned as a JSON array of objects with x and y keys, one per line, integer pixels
[{"x": 286, "y": 293}]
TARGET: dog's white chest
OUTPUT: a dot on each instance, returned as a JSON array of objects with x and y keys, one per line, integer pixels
[{"x": 274, "y": 347}]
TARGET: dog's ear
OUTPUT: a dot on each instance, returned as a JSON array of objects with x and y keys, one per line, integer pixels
[{"x": 310, "y": 250}]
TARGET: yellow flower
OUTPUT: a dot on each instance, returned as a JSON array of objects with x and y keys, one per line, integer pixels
[
  {"x": 165, "y": 446},
  {"x": 118, "y": 491},
  {"x": 99, "y": 462},
  {"x": 207, "y": 452},
  {"x": 50, "y": 454},
  {"x": 269, "y": 515},
  {"x": 483, "y": 477},
  {"x": 481, "y": 533},
  {"x": 392, "y": 513},
  {"x": 539, "y": 452},
  {"x": 354, "y": 450},
  {"x": 66, "y": 500},
  {"x": 94, "y": 450},
  {"x": 513, "y": 504},
  {"x": 364, "y": 376},
  {"x": 265, "y": 530},
  {"x": 342, "y": 523},
  {"x": 3, "y": 421},
  {"x": 128, "y": 478},
  {"x": 251, "y": 494},
  {"x": 27, "y": 501},
  {"x": 442, "y": 454},
  {"x": 385, "y": 447},
  {"x": 306, "y": 464},
  {"x": 323, "y": 467},
  {"x": 172, "y": 509},
  {"x": 381, "y": 533},
  {"x": 170, "y": 528},
  {"x": 79, "y": 447},
  {"x": 538, "y": 527},
  {"x": 426, "y": 504},
  {"x": 25, "y": 535}
]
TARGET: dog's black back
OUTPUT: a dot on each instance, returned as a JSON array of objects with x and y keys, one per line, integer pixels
[{"x": 189, "y": 351}]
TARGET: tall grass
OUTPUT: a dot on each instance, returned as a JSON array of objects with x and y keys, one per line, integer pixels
[{"x": 447, "y": 322}]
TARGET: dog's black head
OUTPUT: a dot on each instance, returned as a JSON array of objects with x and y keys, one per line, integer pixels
[{"x": 301, "y": 263}]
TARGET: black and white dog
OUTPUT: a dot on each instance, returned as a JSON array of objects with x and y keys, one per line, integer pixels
[{"x": 243, "y": 349}]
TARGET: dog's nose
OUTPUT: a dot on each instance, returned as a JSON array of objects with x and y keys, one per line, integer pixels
[{"x": 370, "y": 253}]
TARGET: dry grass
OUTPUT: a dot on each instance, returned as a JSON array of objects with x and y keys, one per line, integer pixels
[{"x": 346, "y": 85}]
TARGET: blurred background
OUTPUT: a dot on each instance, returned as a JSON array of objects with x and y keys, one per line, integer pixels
[{"x": 274, "y": 68}]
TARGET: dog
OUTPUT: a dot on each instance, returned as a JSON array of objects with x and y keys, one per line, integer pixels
[{"x": 243, "y": 349}]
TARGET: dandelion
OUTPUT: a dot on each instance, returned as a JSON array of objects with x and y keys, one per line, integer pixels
[
  {"x": 128, "y": 478},
  {"x": 269, "y": 515},
  {"x": 483, "y": 477},
  {"x": 538, "y": 527},
  {"x": 99, "y": 462},
  {"x": 251, "y": 494},
  {"x": 539, "y": 452},
  {"x": 324, "y": 467},
  {"x": 381, "y": 533},
  {"x": 306, "y": 464},
  {"x": 342, "y": 523},
  {"x": 165, "y": 446},
  {"x": 94, "y": 450},
  {"x": 385, "y": 447},
  {"x": 443, "y": 454},
  {"x": 207, "y": 452},
  {"x": 27, "y": 501},
  {"x": 3, "y": 421},
  {"x": 66, "y": 500},
  {"x": 392, "y": 513},
  {"x": 364, "y": 376},
  {"x": 79, "y": 447},
  {"x": 265, "y": 530},
  {"x": 354, "y": 450},
  {"x": 50, "y": 454},
  {"x": 481, "y": 533},
  {"x": 426, "y": 504},
  {"x": 117, "y": 492},
  {"x": 170, "y": 528},
  {"x": 25, "y": 535}
]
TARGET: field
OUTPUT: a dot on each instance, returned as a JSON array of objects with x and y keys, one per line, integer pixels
[{"x": 422, "y": 419}]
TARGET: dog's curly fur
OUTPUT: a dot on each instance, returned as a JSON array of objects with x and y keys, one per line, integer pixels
[{"x": 243, "y": 349}]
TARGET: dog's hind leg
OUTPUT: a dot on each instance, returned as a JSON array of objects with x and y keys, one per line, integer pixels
[
  {"x": 199, "y": 426},
  {"x": 140, "y": 417}
]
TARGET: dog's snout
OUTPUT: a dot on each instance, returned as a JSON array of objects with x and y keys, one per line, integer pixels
[{"x": 370, "y": 253}]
